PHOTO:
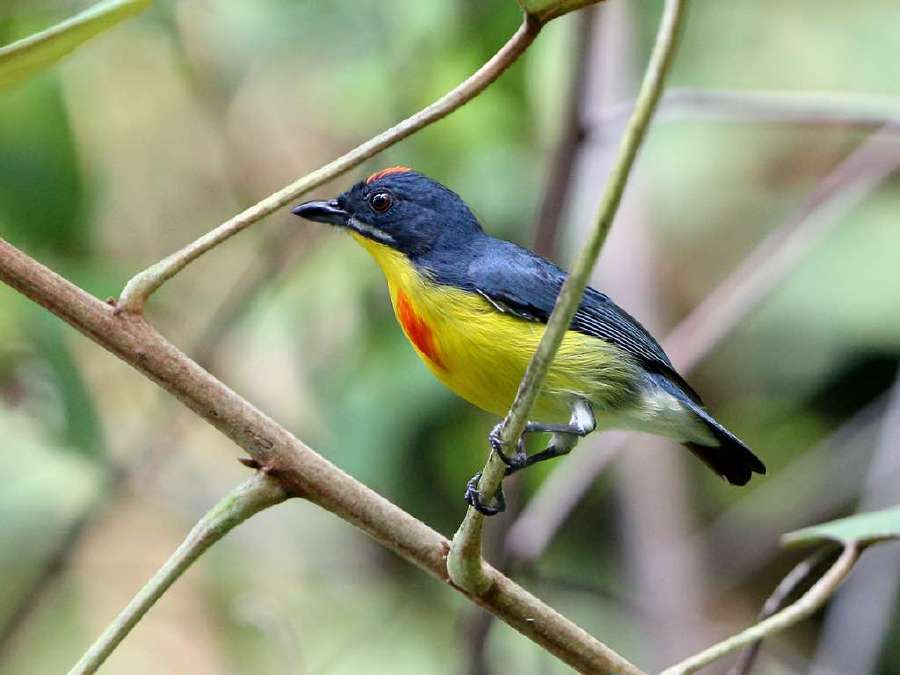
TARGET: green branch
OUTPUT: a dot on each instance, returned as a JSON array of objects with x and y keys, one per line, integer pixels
[
  {"x": 808, "y": 603},
  {"x": 464, "y": 563},
  {"x": 140, "y": 287},
  {"x": 249, "y": 498}
]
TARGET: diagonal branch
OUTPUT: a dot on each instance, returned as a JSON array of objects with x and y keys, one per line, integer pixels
[
  {"x": 761, "y": 272},
  {"x": 801, "y": 575},
  {"x": 140, "y": 287},
  {"x": 817, "y": 596},
  {"x": 302, "y": 472},
  {"x": 249, "y": 498},
  {"x": 465, "y": 562}
]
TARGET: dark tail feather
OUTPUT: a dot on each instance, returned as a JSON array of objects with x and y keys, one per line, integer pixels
[{"x": 730, "y": 459}]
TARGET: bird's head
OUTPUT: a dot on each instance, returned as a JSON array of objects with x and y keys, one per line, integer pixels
[{"x": 399, "y": 208}]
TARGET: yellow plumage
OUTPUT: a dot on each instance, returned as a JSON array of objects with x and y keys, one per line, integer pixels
[{"x": 481, "y": 354}]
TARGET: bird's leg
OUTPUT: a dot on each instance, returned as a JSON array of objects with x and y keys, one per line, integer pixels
[
  {"x": 565, "y": 437},
  {"x": 473, "y": 496}
]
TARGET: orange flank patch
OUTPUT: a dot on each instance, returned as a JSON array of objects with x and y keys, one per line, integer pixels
[
  {"x": 387, "y": 172},
  {"x": 418, "y": 332}
]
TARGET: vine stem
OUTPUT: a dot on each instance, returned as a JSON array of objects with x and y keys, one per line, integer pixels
[
  {"x": 808, "y": 603},
  {"x": 141, "y": 286},
  {"x": 465, "y": 564},
  {"x": 250, "y": 497}
]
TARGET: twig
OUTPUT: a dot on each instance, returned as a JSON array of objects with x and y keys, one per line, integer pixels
[
  {"x": 859, "y": 622},
  {"x": 465, "y": 562},
  {"x": 249, "y": 498},
  {"x": 573, "y": 132},
  {"x": 784, "y": 591},
  {"x": 823, "y": 589},
  {"x": 302, "y": 471},
  {"x": 864, "y": 112},
  {"x": 140, "y": 287},
  {"x": 554, "y": 196},
  {"x": 721, "y": 311},
  {"x": 851, "y": 180}
]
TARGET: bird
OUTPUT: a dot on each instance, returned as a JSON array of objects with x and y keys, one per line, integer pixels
[{"x": 474, "y": 308}]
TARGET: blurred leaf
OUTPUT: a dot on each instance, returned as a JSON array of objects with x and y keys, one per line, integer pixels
[
  {"x": 81, "y": 430},
  {"x": 863, "y": 528},
  {"x": 34, "y": 53},
  {"x": 37, "y": 152}
]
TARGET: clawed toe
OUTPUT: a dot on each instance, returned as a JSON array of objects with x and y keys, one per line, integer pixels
[{"x": 473, "y": 498}]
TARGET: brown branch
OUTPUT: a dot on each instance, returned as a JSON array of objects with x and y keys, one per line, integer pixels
[{"x": 303, "y": 472}]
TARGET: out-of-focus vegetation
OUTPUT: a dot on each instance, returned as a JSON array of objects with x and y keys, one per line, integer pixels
[{"x": 162, "y": 128}]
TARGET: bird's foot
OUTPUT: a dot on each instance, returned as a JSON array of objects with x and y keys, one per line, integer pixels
[
  {"x": 513, "y": 462},
  {"x": 473, "y": 498}
]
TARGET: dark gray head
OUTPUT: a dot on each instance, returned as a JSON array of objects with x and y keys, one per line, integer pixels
[{"x": 399, "y": 208}]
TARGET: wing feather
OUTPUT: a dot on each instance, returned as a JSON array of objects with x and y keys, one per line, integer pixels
[{"x": 521, "y": 283}]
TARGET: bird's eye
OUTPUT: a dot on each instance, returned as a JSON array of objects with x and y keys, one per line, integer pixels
[{"x": 381, "y": 201}]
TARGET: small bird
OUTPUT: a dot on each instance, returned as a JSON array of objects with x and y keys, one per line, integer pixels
[{"x": 475, "y": 307}]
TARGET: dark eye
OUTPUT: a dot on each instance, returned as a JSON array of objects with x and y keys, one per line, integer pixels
[{"x": 381, "y": 201}]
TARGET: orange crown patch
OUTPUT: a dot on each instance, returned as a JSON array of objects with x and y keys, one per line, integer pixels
[{"x": 391, "y": 170}]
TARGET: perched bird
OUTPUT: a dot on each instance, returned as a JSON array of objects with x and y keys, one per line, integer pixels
[{"x": 474, "y": 308}]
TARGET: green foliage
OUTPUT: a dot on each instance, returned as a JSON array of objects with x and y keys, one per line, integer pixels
[
  {"x": 32, "y": 54},
  {"x": 861, "y": 529}
]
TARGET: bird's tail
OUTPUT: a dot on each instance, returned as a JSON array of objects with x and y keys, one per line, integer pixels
[{"x": 730, "y": 458}]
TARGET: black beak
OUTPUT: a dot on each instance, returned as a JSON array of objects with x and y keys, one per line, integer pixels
[{"x": 322, "y": 212}]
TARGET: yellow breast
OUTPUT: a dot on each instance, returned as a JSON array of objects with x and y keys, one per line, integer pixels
[{"x": 481, "y": 353}]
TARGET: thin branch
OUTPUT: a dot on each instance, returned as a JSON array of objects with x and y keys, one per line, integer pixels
[
  {"x": 761, "y": 272},
  {"x": 258, "y": 493},
  {"x": 303, "y": 472},
  {"x": 843, "y": 188},
  {"x": 465, "y": 562},
  {"x": 572, "y": 134},
  {"x": 554, "y": 195},
  {"x": 823, "y": 589},
  {"x": 860, "y": 622},
  {"x": 801, "y": 575},
  {"x": 144, "y": 284},
  {"x": 864, "y": 112}
]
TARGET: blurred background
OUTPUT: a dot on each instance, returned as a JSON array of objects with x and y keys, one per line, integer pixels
[{"x": 766, "y": 194}]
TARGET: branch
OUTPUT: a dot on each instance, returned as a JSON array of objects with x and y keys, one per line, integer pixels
[
  {"x": 801, "y": 575},
  {"x": 864, "y": 112},
  {"x": 761, "y": 272},
  {"x": 823, "y": 589},
  {"x": 249, "y": 498},
  {"x": 140, "y": 287},
  {"x": 572, "y": 133},
  {"x": 302, "y": 472},
  {"x": 465, "y": 563}
]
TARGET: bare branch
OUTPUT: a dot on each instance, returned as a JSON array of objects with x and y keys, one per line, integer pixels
[
  {"x": 786, "y": 588},
  {"x": 817, "y": 596},
  {"x": 464, "y": 562},
  {"x": 864, "y": 112},
  {"x": 258, "y": 493},
  {"x": 302, "y": 472},
  {"x": 144, "y": 284}
]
